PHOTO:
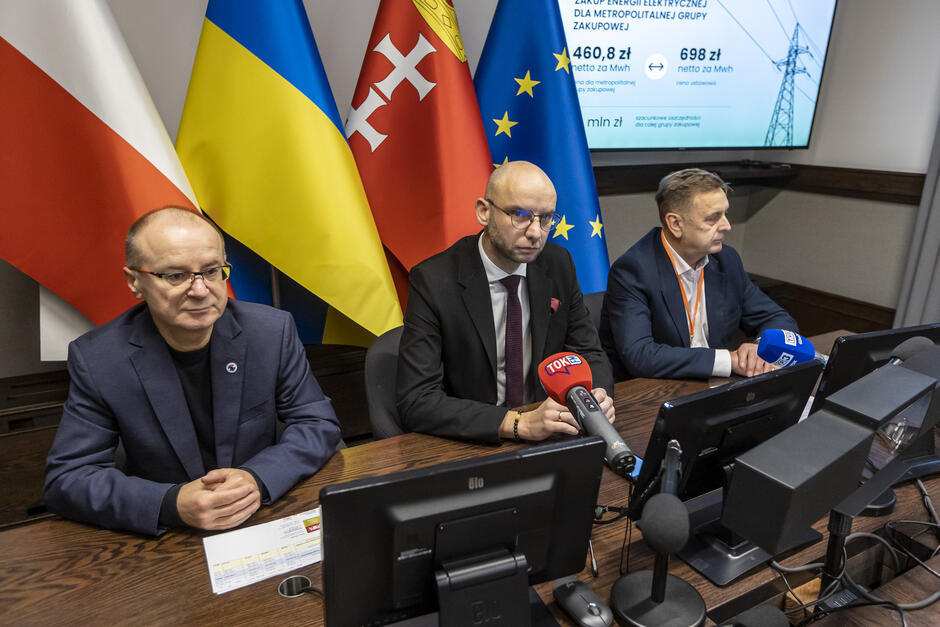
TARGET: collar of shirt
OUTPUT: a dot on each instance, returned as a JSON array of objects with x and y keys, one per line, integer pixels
[{"x": 681, "y": 266}]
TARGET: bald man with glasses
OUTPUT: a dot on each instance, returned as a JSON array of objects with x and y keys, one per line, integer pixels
[
  {"x": 192, "y": 386},
  {"x": 482, "y": 314}
]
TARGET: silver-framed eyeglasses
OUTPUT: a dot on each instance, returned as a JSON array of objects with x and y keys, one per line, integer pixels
[
  {"x": 217, "y": 273},
  {"x": 523, "y": 218}
]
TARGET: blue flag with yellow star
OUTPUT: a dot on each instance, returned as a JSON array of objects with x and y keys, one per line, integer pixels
[{"x": 530, "y": 112}]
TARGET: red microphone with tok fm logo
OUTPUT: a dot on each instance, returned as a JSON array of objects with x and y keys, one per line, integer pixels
[{"x": 566, "y": 378}]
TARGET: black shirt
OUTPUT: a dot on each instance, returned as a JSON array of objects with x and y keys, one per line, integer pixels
[
  {"x": 193, "y": 368},
  {"x": 196, "y": 379}
]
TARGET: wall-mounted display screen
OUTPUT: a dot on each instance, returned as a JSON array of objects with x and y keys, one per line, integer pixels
[{"x": 661, "y": 74}]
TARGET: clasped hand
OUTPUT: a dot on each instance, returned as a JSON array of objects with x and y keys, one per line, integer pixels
[{"x": 222, "y": 499}]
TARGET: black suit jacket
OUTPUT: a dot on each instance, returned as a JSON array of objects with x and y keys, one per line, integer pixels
[
  {"x": 447, "y": 357},
  {"x": 644, "y": 325}
]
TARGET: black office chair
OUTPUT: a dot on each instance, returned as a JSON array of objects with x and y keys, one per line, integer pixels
[
  {"x": 594, "y": 302},
  {"x": 381, "y": 370}
]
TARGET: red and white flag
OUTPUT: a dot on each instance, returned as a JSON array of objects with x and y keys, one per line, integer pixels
[
  {"x": 416, "y": 133},
  {"x": 83, "y": 151}
]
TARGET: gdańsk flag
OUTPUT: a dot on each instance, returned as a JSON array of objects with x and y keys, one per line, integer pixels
[
  {"x": 83, "y": 152},
  {"x": 416, "y": 132}
]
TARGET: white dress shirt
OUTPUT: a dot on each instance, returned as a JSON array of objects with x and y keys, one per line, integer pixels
[
  {"x": 689, "y": 277},
  {"x": 498, "y": 301}
]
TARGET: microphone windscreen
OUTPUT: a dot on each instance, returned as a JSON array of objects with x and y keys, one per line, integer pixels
[
  {"x": 780, "y": 348},
  {"x": 909, "y": 347},
  {"x": 926, "y": 361},
  {"x": 665, "y": 523},
  {"x": 560, "y": 372}
]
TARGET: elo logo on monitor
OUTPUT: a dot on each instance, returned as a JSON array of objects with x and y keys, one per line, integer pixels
[{"x": 562, "y": 363}]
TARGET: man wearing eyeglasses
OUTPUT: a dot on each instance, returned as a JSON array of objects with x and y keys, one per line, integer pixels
[
  {"x": 191, "y": 386},
  {"x": 482, "y": 314}
]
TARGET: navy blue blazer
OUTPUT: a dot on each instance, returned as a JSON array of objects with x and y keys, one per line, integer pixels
[
  {"x": 124, "y": 386},
  {"x": 644, "y": 325}
]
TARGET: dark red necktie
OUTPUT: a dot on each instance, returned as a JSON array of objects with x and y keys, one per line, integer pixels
[{"x": 515, "y": 378}]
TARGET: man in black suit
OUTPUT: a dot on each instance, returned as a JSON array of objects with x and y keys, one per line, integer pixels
[{"x": 482, "y": 314}]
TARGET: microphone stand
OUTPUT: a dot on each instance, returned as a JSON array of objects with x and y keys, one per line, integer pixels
[{"x": 648, "y": 598}]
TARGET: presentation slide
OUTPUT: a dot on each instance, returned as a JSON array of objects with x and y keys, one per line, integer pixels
[{"x": 697, "y": 73}]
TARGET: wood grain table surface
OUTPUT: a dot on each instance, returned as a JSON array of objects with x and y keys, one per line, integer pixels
[{"x": 61, "y": 572}]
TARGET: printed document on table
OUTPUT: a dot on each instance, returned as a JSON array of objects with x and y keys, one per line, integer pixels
[{"x": 245, "y": 556}]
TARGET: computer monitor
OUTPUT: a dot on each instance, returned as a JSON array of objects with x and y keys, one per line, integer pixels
[
  {"x": 713, "y": 427},
  {"x": 466, "y": 538},
  {"x": 854, "y": 356},
  {"x": 782, "y": 486}
]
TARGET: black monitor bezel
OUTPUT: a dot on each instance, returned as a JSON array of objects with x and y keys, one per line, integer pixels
[
  {"x": 854, "y": 356},
  {"x": 356, "y": 529},
  {"x": 678, "y": 419}
]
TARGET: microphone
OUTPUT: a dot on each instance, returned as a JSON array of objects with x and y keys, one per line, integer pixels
[
  {"x": 665, "y": 519},
  {"x": 652, "y": 598},
  {"x": 908, "y": 348},
  {"x": 566, "y": 378},
  {"x": 779, "y": 347}
]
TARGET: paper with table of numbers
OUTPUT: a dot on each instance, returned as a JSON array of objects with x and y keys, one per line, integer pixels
[{"x": 245, "y": 556}]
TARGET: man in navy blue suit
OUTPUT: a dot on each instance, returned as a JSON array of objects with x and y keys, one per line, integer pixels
[
  {"x": 191, "y": 386},
  {"x": 678, "y": 297}
]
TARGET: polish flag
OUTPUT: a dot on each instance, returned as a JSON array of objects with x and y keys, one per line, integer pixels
[{"x": 83, "y": 151}]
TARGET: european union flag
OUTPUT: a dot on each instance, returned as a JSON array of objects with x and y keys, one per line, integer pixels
[{"x": 530, "y": 111}]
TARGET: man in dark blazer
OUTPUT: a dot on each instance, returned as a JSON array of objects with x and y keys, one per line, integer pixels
[
  {"x": 192, "y": 386},
  {"x": 678, "y": 297},
  {"x": 456, "y": 355}
]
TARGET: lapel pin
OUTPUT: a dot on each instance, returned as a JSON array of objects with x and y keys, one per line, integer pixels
[{"x": 231, "y": 367}]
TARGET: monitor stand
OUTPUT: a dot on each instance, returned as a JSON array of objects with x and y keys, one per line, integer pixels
[
  {"x": 490, "y": 589},
  {"x": 540, "y": 614},
  {"x": 716, "y": 552}
]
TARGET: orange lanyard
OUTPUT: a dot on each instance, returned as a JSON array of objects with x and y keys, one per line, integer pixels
[{"x": 685, "y": 299}]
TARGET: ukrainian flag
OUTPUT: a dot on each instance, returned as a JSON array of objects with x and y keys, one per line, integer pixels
[
  {"x": 263, "y": 146},
  {"x": 529, "y": 105}
]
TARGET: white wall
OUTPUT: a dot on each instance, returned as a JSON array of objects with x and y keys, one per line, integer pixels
[
  {"x": 878, "y": 110},
  {"x": 841, "y": 245}
]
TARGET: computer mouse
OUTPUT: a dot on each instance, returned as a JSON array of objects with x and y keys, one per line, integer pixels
[{"x": 582, "y": 604}]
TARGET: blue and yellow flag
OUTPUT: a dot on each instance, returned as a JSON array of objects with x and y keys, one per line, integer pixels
[
  {"x": 263, "y": 146},
  {"x": 530, "y": 111}
]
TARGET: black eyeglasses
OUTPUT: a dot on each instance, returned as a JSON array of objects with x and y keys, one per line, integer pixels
[
  {"x": 218, "y": 273},
  {"x": 523, "y": 218}
]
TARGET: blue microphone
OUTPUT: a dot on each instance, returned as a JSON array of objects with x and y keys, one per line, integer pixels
[{"x": 781, "y": 348}]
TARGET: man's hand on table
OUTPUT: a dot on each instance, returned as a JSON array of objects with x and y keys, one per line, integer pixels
[{"x": 223, "y": 499}]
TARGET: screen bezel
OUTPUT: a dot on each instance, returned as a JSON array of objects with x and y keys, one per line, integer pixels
[
  {"x": 359, "y": 526},
  {"x": 695, "y": 420}
]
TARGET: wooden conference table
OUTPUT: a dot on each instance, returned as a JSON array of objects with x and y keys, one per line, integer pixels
[{"x": 56, "y": 571}]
